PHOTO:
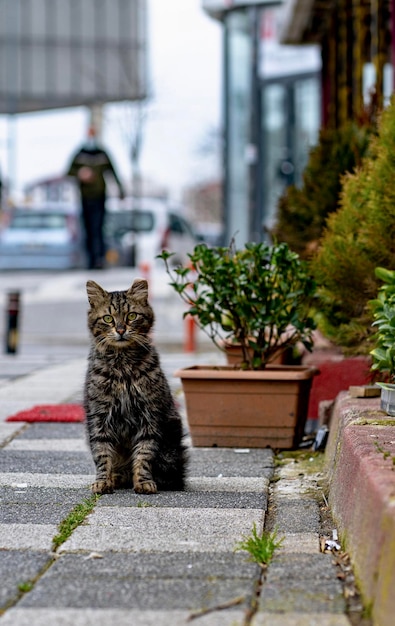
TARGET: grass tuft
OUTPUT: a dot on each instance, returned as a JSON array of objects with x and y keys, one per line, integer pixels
[
  {"x": 261, "y": 547},
  {"x": 26, "y": 586},
  {"x": 74, "y": 519}
]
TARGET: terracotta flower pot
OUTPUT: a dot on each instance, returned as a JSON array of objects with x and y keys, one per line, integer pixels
[
  {"x": 227, "y": 407},
  {"x": 234, "y": 355}
]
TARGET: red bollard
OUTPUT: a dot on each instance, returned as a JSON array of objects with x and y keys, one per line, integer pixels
[
  {"x": 145, "y": 270},
  {"x": 189, "y": 323},
  {"x": 190, "y": 334},
  {"x": 12, "y": 336}
]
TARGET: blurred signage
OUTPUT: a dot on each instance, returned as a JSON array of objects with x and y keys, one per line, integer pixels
[
  {"x": 218, "y": 7},
  {"x": 277, "y": 60},
  {"x": 59, "y": 53}
]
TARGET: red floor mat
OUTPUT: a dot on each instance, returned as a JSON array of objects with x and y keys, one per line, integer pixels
[{"x": 50, "y": 413}]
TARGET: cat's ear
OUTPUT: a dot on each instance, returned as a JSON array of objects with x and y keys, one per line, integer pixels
[
  {"x": 95, "y": 292},
  {"x": 139, "y": 290}
]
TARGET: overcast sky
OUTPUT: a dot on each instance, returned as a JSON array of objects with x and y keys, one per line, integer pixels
[{"x": 185, "y": 83}]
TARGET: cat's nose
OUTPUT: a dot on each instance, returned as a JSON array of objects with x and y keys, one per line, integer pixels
[{"x": 121, "y": 330}]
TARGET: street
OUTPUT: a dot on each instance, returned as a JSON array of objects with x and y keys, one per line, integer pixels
[{"x": 52, "y": 317}]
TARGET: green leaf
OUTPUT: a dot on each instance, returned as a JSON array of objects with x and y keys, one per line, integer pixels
[
  {"x": 256, "y": 292},
  {"x": 388, "y": 276}
]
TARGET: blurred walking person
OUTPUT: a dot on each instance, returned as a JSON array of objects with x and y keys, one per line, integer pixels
[{"x": 88, "y": 166}]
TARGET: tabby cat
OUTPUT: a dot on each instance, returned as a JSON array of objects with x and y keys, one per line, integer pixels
[{"x": 134, "y": 429}]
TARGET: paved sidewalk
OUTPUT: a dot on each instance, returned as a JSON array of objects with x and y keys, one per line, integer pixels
[{"x": 152, "y": 560}]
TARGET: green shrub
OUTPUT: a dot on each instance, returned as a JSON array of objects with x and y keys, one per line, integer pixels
[
  {"x": 260, "y": 296},
  {"x": 383, "y": 307},
  {"x": 302, "y": 212},
  {"x": 359, "y": 237}
]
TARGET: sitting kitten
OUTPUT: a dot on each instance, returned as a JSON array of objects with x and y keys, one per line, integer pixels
[{"x": 134, "y": 430}]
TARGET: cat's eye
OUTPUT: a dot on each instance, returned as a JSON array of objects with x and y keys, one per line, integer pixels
[
  {"x": 108, "y": 319},
  {"x": 132, "y": 316}
]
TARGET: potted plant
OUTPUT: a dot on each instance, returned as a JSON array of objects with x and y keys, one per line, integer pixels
[
  {"x": 383, "y": 354},
  {"x": 260, "y": 297}
]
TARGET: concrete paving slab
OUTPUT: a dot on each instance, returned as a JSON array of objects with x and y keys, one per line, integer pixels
[
  {"x": 222, "y": 483},
  {"x": 300, "y": 542},
  {"x": 163, "y": 529},
  {"x": 162, "y": 581},
  {"x": 287, "y": 488},
  {"x": 214, "y": 462},
  {"x": 134, "y": 592},
  {"x": 300, "y": 619},
  {"x": 105, "y": 617},
  {"x": 38, "y": 506},
  {"x": 33, "y": 513},
  {"x": 55, "y": 481},
  {"x": 54, "y": 430},
  {"x": 16, "y": 568},
  {"x": 78, "y": 481},
  {"x": 22, "y": 363},
  {"x": 42, "y": 496},
  {"x": 153, "y": 565},
  {"x": 186, "y": 499},
  {"x": 38, "y": 392},
  {"x": 294, "y": 598},
  {"x": 49, "y": 445},
  {"x": 35, "y": 461},
  {"x": 316, "y": 570},
  {"x": 302, "y": 582},
  {"x": 27, "y": 536},
  {"x": 9, "y": 430},
  {"x": 296, "y": 516}
]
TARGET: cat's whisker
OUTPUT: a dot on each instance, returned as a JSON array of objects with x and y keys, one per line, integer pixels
[{"x": 141, "y": 341}]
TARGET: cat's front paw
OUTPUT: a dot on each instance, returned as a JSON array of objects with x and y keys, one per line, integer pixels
[
  {"x": 146, "y": 486},
  {"x": 102, "y": 486}
]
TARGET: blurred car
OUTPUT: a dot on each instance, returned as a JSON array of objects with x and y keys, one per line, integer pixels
[
  {"x": 212, "y": 233},
  {"x": 136, "y": 235},
  {"x": 44, "y": 237}
]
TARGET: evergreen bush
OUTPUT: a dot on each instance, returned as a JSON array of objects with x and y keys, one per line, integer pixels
[
  {"x": 359, "y": 237},
  {"x": 302, "y": 212}
]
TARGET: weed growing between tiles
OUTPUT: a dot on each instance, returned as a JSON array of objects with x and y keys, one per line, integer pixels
[
  {"x": 75, "y": 518},
  {"x": 260, "y": 547}
]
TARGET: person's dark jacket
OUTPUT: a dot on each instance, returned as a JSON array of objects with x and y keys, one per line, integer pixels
[{"x": 98, "y": 161}]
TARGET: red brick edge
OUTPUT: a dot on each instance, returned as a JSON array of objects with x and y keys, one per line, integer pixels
[{"x": 360, "y": 463}]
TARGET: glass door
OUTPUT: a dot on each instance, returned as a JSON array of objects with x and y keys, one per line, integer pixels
[
  {"x": 290, "y": 126},
  {"x": 278, "y": 169}
]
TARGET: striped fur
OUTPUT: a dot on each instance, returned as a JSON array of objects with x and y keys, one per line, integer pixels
[{"x": 134, "y": 430}]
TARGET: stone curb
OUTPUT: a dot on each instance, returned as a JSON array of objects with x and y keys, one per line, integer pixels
[{"x": 360, "y": 461}]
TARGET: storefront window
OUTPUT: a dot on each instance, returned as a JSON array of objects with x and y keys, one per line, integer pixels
[
  {"x": 307, "y": 122},
  {"x": 290, "y": 127},
  {"x": 272, "y": 118},
  {"x": 277, "y": 167}
]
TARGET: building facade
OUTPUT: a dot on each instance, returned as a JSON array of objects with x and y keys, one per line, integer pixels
[
  {"x": 357, "y": 41},
  {"x": 271, "y": 112},
  {"x": 61, "y": 53}
]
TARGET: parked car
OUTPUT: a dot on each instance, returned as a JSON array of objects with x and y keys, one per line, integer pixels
[
  {"x": 211, "y": 233},
  {"x": 137, "y": 234},
  {"x": 44, "y": 237}
]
